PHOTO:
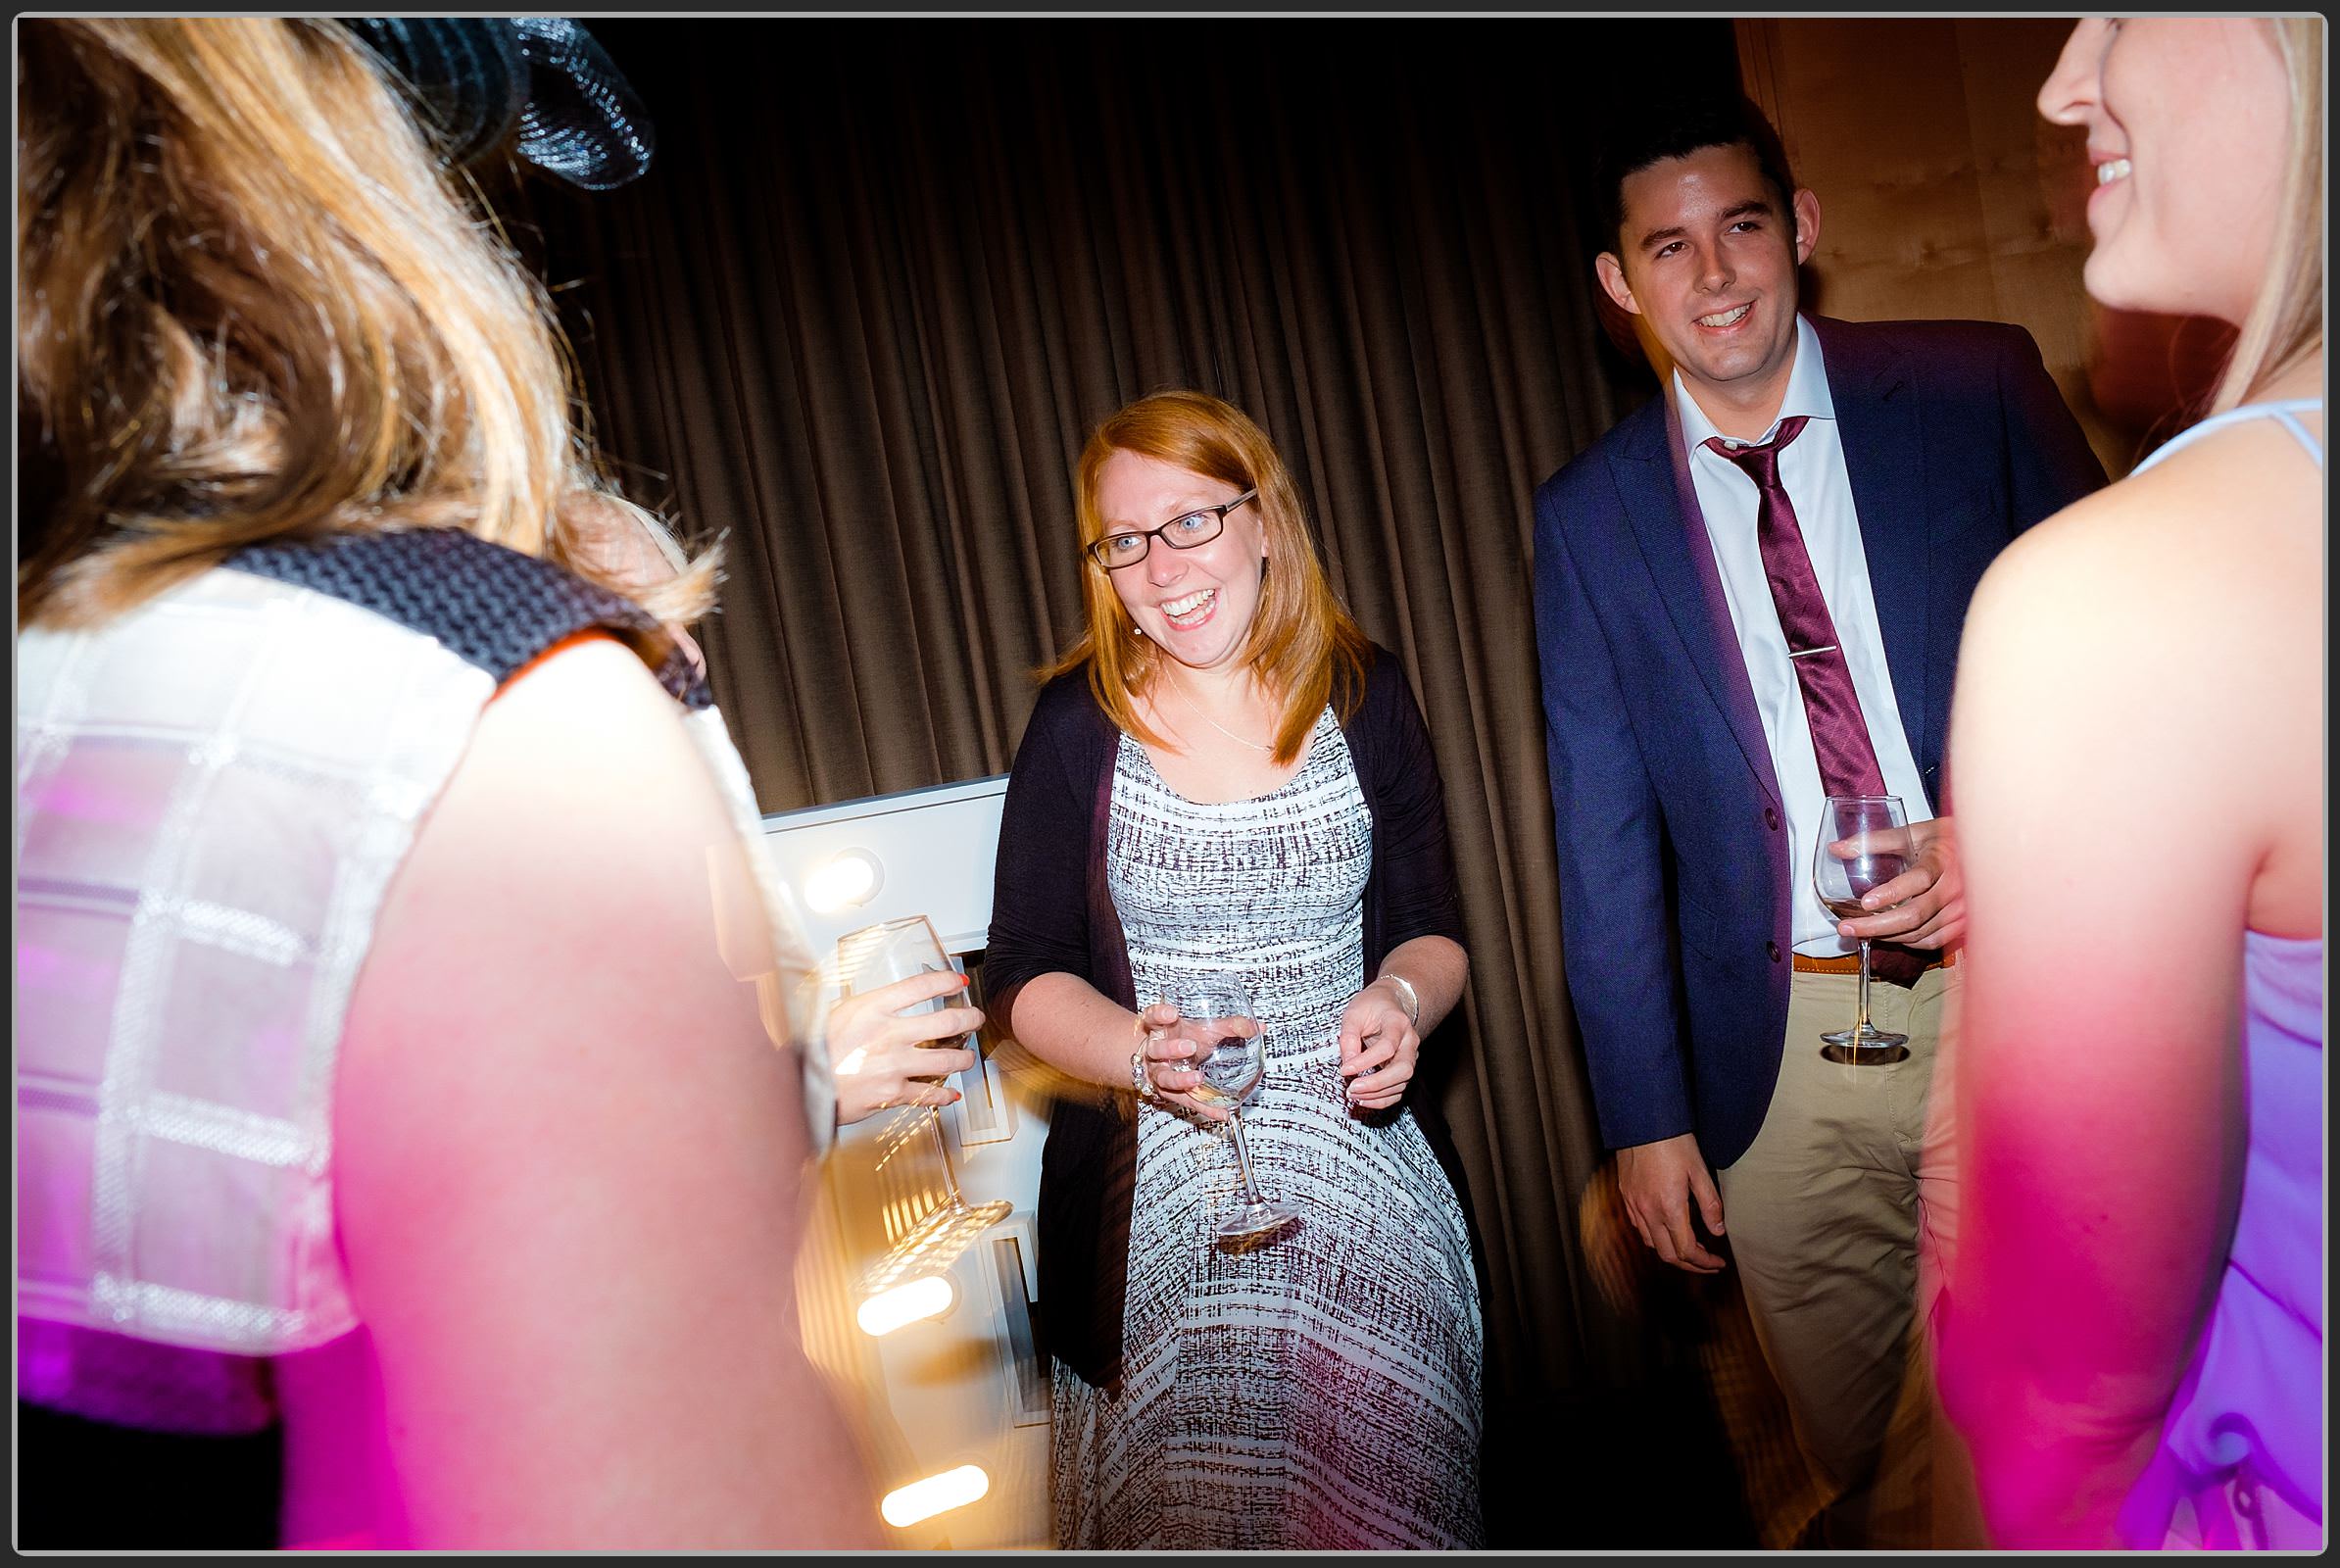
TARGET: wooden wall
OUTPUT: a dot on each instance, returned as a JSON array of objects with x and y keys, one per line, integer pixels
[{"x": 1943, "y": 193}]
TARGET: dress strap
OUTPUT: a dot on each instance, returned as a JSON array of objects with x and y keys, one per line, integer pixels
[
  {"x": 2285, "y": 413},
  {"x": 490, "y": 606}
]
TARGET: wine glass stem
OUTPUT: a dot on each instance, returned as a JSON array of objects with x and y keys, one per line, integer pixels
[
  {"x": 1861, "y": 1020},
  {"x": 951, "y": 1199},
  {"x": 1243, "y": 1159}
]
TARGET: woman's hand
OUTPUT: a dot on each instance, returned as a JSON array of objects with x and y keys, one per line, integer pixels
[
  {"x": 881, "y": 1060},
  {"x": 1379, "y": 1047},
  {"x": 1166, "y": 1056}
]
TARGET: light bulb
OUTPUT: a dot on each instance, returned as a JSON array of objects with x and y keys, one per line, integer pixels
[
  {"x": 927, "y": 1296},
  {"x": 849, "y": 878},
  {"x": 923, "y": 1499}
]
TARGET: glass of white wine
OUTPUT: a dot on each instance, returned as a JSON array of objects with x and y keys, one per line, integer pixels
[
  {"x": 1230, "y": 1055},
  {"x": 1864, "y": 844},
  {"x": 878, "y": 955}
]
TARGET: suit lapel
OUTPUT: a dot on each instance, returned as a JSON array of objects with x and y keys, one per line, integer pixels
[
  {"x": 1876, "y": 420},
  {"x": 1653, "y": 482}
]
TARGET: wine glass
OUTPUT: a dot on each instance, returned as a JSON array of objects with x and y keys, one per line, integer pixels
[
  {"x": 1864, "y": 844},
  {"x": 1230, "y": 1055},
  {"x": 877, "y": 956}
]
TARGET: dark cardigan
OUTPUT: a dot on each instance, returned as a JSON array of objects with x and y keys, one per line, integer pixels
[{"x": 1053, "y": 912}]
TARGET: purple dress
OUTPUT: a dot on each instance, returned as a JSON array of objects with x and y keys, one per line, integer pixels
[
  {"x": 2247, "y": 1418},
  {"x": 2243, "y": 1442}
]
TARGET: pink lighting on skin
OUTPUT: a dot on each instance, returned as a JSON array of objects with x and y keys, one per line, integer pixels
[
  {"x": 2088, "y": 1242},
  {"x": 341, "y": 1460}
]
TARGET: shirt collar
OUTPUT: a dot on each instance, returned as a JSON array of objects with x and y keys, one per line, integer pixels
[{"x": 1807, "y": 393}]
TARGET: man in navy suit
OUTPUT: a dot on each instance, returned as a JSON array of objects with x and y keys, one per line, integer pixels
[{"x": 1748, "y": 596}]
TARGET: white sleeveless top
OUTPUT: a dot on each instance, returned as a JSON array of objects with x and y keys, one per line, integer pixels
[{"x": 213, "y": 790}]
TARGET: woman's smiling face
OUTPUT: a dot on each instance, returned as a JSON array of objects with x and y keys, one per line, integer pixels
[
  {"x": 2187, "y": 120},
  {"x": 1195, "y": 605}
]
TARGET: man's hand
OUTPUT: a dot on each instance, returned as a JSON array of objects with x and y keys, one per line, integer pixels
[
  {"x": 1658, "y": 1182},
  {"x": 1925, "y": 907}
]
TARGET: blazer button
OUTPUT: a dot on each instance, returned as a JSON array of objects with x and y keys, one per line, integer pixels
[
  {"x": 1772, "y": 948},
  {"x": 1771, "y": 818}
]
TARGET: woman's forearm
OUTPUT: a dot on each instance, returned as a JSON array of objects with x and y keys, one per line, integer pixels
[
  {"x": 1436, "y": 968},
  {"x": 1068, "y": 1024},
  {"x": 2053, "y": 1478},
  {"x": 1072, "y": 1027}
]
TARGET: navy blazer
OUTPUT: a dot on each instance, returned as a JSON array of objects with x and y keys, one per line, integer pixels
[{"x": 1676, "y": 873}]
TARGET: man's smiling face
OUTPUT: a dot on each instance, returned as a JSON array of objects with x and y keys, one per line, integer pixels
[{"x": 1708, "y": 259}]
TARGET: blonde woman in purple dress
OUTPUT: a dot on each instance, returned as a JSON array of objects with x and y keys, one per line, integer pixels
[{"x": 2135, "y": 1337}]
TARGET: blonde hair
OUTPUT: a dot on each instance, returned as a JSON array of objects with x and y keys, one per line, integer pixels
[
  {"x": 251, "y": 305},
  {"x": 2285, "y": 323},
  {"x": 1303, "y": 649}
]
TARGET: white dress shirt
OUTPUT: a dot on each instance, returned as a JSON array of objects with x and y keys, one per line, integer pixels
[{"x": 1812, "y": 469}]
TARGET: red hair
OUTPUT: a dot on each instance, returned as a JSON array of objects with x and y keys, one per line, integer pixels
[{"x": 1303, "y": 647}]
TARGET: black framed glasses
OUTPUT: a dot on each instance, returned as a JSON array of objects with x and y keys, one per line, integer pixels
[{"x": 1117, "y": 550}]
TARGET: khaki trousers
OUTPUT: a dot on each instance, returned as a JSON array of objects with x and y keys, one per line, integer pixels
[{"x": 1841, "y": 1217}]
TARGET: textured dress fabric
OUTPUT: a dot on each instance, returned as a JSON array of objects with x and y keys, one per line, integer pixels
[
  {"x": 1053, "y": 913},
  {"x": 1317, "y": 1388},
  {"x": 214, "y": 793}
]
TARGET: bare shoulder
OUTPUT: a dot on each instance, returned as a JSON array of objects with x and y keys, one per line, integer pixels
[
  {"x": 554, "y": 1091},
  {"x": 589, "y": 697},
  {"x": 2102, "y": 624},
  {"x": 551, "y": 945},
  {"x": 2228, "y": 529},
  {"x": 562, "y": 882},
  {"x": 2167, "y": 630},
  {"x": 2249, "y": 488}
]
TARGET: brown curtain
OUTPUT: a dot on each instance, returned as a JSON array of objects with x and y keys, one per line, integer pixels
[{"x": 886, "y": 275}]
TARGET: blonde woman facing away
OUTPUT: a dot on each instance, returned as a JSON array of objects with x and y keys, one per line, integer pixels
[
  {"x": 378, "y": 1074},
  {"x": 2135, "y": 1339}
]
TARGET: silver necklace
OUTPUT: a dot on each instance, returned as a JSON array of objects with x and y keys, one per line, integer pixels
[{"x": 1214, "y": 724}]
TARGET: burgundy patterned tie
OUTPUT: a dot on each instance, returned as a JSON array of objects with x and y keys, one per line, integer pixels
[{"x": 1839, "y": 734}]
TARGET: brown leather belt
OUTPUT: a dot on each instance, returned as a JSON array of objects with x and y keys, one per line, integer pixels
[{"x": 1850, "y": 963}]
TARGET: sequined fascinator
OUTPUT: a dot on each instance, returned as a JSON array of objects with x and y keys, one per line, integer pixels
[{"x": 539, "y": 81}]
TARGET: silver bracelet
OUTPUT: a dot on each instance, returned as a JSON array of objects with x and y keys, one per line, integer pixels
[
  {"x": 1139, "y": 1079},
  {"x": 1411, "y": 997}
]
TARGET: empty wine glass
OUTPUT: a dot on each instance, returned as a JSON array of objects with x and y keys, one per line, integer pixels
[
  {"x": 1864, "y": 843},
  {"x": 876, "y": 955},
  {"x": 1230, "y": 1055}
]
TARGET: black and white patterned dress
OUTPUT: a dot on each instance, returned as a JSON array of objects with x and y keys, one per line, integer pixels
[{"x": 1320, "y": 1390}]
